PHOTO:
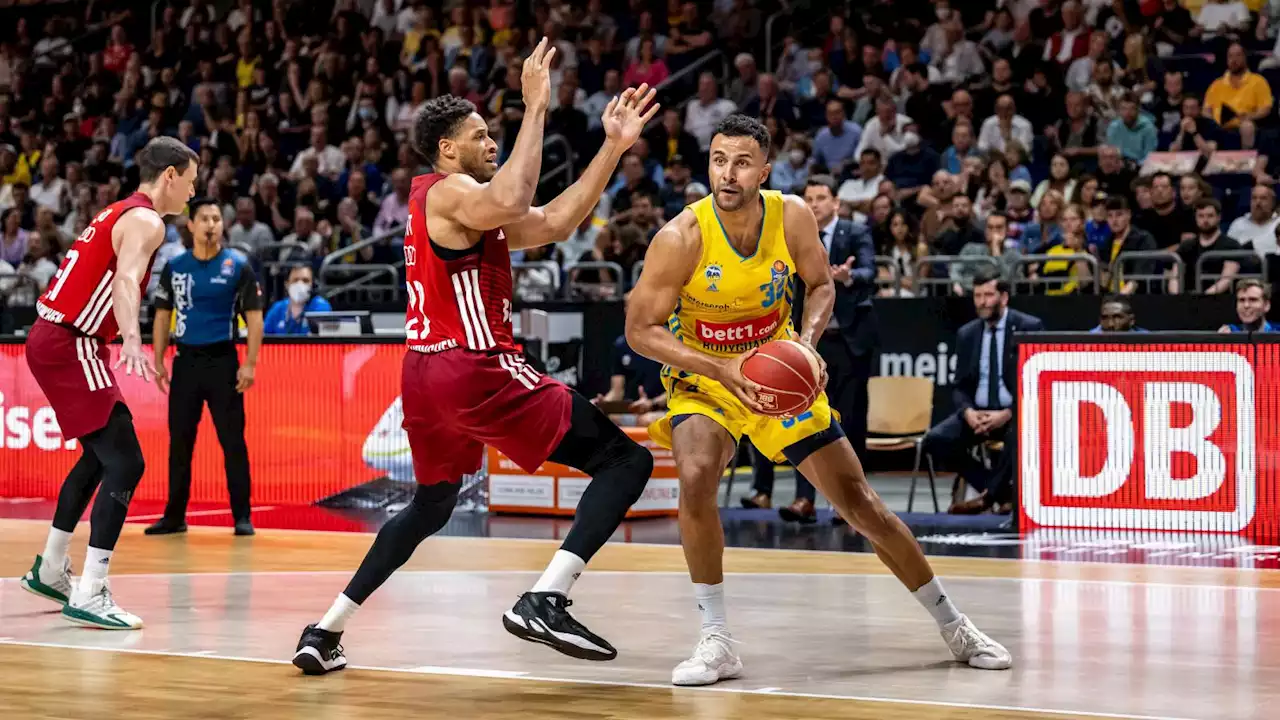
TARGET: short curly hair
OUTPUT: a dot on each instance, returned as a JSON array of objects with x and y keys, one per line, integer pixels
[
  {"x": 439, "y": 118},
  {"x": 739, "y": 125}
]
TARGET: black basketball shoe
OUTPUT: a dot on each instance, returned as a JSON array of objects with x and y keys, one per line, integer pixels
[
  {"x": 319, "y": 652},
  {"x": 543, "y": 617}
]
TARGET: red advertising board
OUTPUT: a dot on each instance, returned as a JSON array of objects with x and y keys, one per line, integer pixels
[
  {"x": 322, "y": 419},
  {"x": 1148, "y": 436}
]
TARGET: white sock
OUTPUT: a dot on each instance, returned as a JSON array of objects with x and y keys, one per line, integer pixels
[
  {"x": 565, "y": 567},
  {"x": 711, "y": 605},
  {"x": 339, "y": 613},
  {"x": 934, "y": 599},
  {"x": 55, "y": 550},
  {"x": 96, "y": 564}
]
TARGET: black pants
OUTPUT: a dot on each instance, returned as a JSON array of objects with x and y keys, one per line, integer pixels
[
  {"x": 950, "y": 441},
  {"x": 206, "y": 376},
  {"x": 847, "y": 377}
]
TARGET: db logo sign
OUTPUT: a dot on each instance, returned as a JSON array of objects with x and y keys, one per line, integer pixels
[{"x": 1142, "y": 440}]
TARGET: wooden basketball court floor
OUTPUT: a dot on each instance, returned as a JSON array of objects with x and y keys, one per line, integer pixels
[{"x": 823, "y": 635}]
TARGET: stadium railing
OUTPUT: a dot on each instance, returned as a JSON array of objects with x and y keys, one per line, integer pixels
[
  {"x": 1252, "y": 265},
  {"x": 894, "y": 281},
  {"x": 565, "y": 168},
  {"x": 332, "y": 267},
  {"x": 331, "y": 281},
  {"x": 1024, "y": 279},
  {"x": 1148, "y": 282},
  {"x": 572, "y": 269},
  {"x": 925, "y": 282}
]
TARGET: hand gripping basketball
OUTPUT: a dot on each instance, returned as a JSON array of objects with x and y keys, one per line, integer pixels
[
  {"x": 789, "y": 374},
  {"x": 735, "y": 381}
]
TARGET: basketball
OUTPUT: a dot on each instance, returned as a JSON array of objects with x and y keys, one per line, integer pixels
[{"x": 787, "y": 373}]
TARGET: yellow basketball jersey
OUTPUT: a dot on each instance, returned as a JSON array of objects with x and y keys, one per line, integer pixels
[{"x": 733, "y": 303}]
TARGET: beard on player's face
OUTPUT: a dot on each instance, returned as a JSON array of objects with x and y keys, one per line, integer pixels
[
  {"x": 479, "y": 159},
  {"x": 732, "y": 195}
]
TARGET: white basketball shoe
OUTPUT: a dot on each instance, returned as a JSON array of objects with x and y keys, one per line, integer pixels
[
  {"x": 972, "y": 646},
  {"x": 49, "y": 582},
  {"x": 713, "y": 660},
  {"x": 96, "y": 608}
]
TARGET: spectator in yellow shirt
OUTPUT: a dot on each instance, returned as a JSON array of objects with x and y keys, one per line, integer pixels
[{"x": 1247, "y": 94}]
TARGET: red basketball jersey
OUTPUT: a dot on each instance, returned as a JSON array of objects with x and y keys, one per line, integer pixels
[
  {"x": 457, "y": 298},
  {"x": 80, "y": 294}
]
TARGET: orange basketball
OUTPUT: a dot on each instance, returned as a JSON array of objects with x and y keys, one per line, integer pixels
[{"x": 787, "y": 373}]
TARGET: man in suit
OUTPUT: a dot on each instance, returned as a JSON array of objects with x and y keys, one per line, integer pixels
[
  {"x": 985, "y": 393},
  {"x": 847, "y": 346}
]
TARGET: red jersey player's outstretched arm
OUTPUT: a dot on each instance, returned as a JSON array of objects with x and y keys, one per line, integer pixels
[
  {"x": 463, "y": 200},
  {"x": 671, "y": 260},
  {"x": 624, "y": 119},
  {"x": 135, "y": 238}
]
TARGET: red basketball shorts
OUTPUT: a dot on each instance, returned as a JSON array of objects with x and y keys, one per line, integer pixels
[
  {"x": 74, "y": 372},
  {"x": 458, "y": 401}
]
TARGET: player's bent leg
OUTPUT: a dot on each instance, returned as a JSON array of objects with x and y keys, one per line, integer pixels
[
  {"x": 834, "y": 468},
  {"x": 702, "y": 449},
  {"x": 50, "y": 574},
  {"x": 619, "y": 468},
  {"x": 318, "y": 650},
  {"x": 91, "y": 603}
]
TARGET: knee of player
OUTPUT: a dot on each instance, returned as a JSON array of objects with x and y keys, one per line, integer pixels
[
  {"x": 633, "y": 462},
  {"x": 641, "y": 460},
  {"x": 132, "y": 465},
  {"x": 437, "y": 496},
  {"x": 699, "y": 482}
]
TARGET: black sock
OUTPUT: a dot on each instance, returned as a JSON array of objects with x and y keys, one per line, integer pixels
[
  {"x": 431, "y": 508},
  {"x": 116, "y": 447},
  {"x": 619, "y": 469}
]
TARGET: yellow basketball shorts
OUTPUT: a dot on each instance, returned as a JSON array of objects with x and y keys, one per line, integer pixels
[{"x": 698, "y": 395}]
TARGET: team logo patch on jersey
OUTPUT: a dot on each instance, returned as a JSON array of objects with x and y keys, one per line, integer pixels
[
  {"x": 228, "y": 266},
  {"x": 776, "y": 288},
  {"x": 713, "y": 273}
]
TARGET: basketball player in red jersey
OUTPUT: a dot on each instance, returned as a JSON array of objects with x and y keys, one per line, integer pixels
[
  {"x": 465, "y": 382},
  {"x": 95, "y": 297}
]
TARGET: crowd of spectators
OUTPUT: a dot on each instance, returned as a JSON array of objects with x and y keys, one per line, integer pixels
[{"x": 983, "y": 128}]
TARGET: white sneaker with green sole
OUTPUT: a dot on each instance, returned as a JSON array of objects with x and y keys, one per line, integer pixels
[
  {"x": 96, "y": 608},
  {"x": 47, "y": 582}
]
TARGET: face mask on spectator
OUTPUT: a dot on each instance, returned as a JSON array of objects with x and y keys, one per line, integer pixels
[
  {"x": 911, "y": 139},
  {"x": 367, "y": 114},
  {"x": 797, "y": 157},
  {"x": 299, "y": 292}
]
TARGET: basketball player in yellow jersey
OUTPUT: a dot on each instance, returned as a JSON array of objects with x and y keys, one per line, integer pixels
[{"x": 718, "y": 282}]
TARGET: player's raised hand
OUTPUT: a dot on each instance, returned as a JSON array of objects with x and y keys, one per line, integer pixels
[
  {"x": 535, "y": 77},
  {"x": 133, "y": 358},
  {"x": 627, "y": 114}
]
